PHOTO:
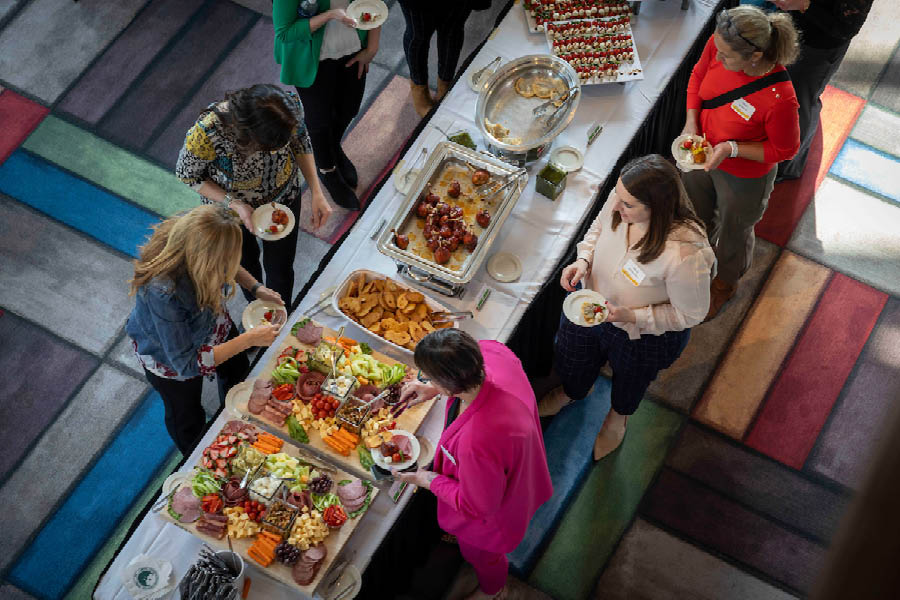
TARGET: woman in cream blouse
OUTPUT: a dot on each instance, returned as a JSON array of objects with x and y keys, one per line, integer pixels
[{"x": 647, "y": 253}]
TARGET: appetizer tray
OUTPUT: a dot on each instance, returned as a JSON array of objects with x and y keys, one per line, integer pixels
[
  {"x": 389, "y": 315},
  {"x": 504, "y": 111},
  {"x": 600, "y": 50},
  {"x": 540, "y": 12},
  {"x": 326, "y": 435},
  {"x": 249, "y": 546},
  {"x": 447, "y": 164}
]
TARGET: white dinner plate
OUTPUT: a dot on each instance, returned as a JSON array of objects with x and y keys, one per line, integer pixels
[
  {"x": 174, "y": 480},
  {"x": 567, "y": 158},
  {"x": 256, "y": 311},
  {"x": 683, "y": 157},
  {"x": 262, "y": 219},
  {"x": 403, "y": 177},
  {"x": 238, "y": 395},
  {"x": 504, "y": 267},
  {"x": 572, "y": 306},
  {"x": 385, "y": 462},
  {"x": 374, "y": 7}
]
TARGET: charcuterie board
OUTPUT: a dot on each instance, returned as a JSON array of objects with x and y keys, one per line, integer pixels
[
  {"x": 334, "y": 539},
  {"x": 317, "y": 428}
]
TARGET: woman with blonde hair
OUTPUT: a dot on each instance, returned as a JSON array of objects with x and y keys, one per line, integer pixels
[
  {"x": 180, "y": 328},
  {"x": 741, "y": 98}
]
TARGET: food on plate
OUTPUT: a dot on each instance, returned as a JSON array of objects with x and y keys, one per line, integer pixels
[
  {"x": 321, "y": 484},
  {"x": 335, "y": 516},
  {"x": 308, "y": 529},
  {"x": 214, "y": 525},
  {"x": 307, "y": 332},
  {"x": 591, "y": 311},
  {"x": 392, "y": 324},
  {"x": 280, "y": 220},
  {"x": 501, "y": 133},
  {"x": 268, "y": 443},
  {"x": 238, "y": 522},
  {"x": 265, "y": 486},
  {"x": 355, "y": 496},
  {"x": 184, "y": 506},
  {"x": 286, "y": 554},
  {"x": 232, "y": 492},
  {"x": 454, "y": 190},
  {"x": 211, "y": 503},
  {"x": 695, "y": 150},
  {"x": 546, "y": 13},
  {"x": 401, "y": 240},
  {"x": 598, "y": 49},
  {"x": 305, "y": 569},
  {"x": 368, "y": 17},
  {"x": 278, "y": 517},
  {"x": 263, "y": 548},
  {"x": 480, "y": 177}
]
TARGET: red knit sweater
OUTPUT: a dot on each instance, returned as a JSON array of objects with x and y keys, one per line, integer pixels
[{"x": 775, "y": 122}]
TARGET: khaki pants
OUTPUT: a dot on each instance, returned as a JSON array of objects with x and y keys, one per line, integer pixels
[{"x": 729, "y": 206}]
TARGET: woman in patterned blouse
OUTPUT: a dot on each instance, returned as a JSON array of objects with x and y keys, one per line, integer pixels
[{"x": 250, "y": 149}]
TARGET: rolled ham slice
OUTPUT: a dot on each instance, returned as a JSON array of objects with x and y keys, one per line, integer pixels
[
  {"x": 186, "y": 504},
  {"x": 285, "y": 408}
]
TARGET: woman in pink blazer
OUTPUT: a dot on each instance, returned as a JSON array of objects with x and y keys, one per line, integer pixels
[{"x": 490, "y": 469}]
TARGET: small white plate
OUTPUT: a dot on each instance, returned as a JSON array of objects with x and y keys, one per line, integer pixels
[
  {"x": 347, "y": 585},
  {"x": 404, "y": 178},
  {"x": 238, "y": 395},
  {"x": 256, "y": 311},
  {"x": 174, "y": 480},
  {"x": 385, "y": 462},
  {"x": 504, "y": 267},
  {"x": 262, "y": 219},
  {"x": 567, "y": 158},
  {"x": 683, "y": 157},
  {"x": 572, "y": 306},
  {"x": 374, "y": 7}
]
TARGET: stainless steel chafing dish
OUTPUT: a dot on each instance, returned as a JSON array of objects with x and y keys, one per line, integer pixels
[
  {"x": 426, "y": 272},
  {"x": 499, "y": 102}
]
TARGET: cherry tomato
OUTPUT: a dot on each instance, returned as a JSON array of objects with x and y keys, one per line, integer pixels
[
  {"x": 323, "y": 414},
  {"x": 396, "y": 458},
  {"x": 335, "y": 402}
]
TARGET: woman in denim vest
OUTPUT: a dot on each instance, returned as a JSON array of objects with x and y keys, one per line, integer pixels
[{"x": 180, "y": 328}]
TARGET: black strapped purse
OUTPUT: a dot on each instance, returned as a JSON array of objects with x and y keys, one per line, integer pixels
[{"x": 746, "y": 90}]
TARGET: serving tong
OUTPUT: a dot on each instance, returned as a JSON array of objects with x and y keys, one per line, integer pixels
[
  {"x": 477, "y": 75},
  {"x": 540, "y": 111},
  {"x": 489, "y": 190},
  {"x": 449, "y": 317}
]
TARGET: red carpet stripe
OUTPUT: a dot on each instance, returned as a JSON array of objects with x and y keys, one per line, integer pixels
[
  {"x": 790, "y": 198},
  {"x": 18, "y": 118},
  {"x": 815, "y": 372}
]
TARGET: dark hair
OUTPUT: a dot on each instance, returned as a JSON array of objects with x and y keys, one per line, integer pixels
[
  {"x": 655, "y": 183},
  {"x": 452, "y": 358},
  {"x": 259, "y": 116},
  {"x": 749, "y": 29}
]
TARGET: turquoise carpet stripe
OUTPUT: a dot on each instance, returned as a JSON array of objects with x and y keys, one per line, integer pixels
[
  {"x": 569, "y": 441},
  {"x": 76, "y": 203},
  {"x": 869, "y": 168},
  {"x": 68, "y": 541}
]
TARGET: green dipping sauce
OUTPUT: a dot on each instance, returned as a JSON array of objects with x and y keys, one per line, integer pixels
[
  {"x": 550, "y": 182},
  {"x": 552, "y": 174},
  {"x": 463, "y": 139}
]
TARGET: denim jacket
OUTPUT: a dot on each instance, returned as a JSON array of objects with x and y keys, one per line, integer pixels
[{"x": 168, "y": 325}]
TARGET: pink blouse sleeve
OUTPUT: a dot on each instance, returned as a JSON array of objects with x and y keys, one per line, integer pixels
[
  {"x": 479, "y": 491},
  {"x": 688, "y": 288}
]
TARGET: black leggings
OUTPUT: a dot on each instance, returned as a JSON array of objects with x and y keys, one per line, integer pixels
[
  {"x": 330, "y": 104},
  {"x": 185, "y": 417},
  {"x": 278, "y": 258},
  {"x": 423, "y": 19}
]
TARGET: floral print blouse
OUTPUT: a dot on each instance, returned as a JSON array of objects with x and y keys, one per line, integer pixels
[{"x": 210, "y": 152}]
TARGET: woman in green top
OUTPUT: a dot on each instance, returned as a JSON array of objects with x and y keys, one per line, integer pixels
[{"x": 326, "y": 58}]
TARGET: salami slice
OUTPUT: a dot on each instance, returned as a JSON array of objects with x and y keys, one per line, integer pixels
[{"x": 316, "y": 553}]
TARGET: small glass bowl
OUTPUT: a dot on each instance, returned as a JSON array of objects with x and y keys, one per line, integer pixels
[
  {"x": 285, "y": 513},
  {"x": 262, "y": 473}
]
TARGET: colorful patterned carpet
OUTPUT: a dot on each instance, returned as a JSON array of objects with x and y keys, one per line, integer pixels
[{"x": 735, "y": 472}]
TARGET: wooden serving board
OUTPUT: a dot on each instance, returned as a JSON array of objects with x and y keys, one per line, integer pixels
[
  {"x": 278, "y": 571},
  {"x": 409, "y": 420}
]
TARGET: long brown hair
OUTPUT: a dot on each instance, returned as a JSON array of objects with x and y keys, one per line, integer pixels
[
  {"x": 655, "y": 183},
  {"x": 259, "y": 117},
  {"x": 203, "y": 244}
]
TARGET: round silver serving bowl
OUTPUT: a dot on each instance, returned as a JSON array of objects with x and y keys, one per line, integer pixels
[{"x": 499, "y": 102}]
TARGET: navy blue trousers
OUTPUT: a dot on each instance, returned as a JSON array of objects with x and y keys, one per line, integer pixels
[{"x": 580, "y": 353}]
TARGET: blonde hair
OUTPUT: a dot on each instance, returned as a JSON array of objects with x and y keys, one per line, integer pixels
[
  {"x": 748, "y": 29},
  {"x": 203, "y": 244}
]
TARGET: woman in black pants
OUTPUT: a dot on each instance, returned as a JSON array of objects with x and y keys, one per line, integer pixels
[
  {"x": 180, "y": 328},
  {"x": 326, "y": 58},
  {"x": 423, "y": 19}
]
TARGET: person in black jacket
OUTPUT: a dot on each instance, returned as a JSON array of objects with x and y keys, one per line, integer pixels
[{"x": 826, "y": 28}]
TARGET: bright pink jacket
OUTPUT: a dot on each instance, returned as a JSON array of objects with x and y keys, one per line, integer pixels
[{"x": 487, "y": 497}]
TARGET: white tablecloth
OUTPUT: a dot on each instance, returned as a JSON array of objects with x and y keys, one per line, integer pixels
[{"x": 538, "y": 231}]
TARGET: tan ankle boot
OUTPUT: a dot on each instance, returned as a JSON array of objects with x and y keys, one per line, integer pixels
[
  {"x": 443, "y": 88},
  {"x": 609, "y": 438},
  {"x": 421, "y": 98}
]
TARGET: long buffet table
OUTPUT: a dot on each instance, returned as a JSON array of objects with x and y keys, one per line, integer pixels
[{"x": 538, "y": 231}]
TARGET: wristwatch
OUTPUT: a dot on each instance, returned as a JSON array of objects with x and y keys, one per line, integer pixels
[{"x": 255, "y": 288}]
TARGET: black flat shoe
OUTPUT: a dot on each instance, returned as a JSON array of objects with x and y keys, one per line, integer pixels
[
  {"x": 340, "y": 192},
  {"x": 346, "y": 168}
]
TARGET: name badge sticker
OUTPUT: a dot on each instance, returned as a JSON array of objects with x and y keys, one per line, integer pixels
[
  {"x": 743, "y": 108},
  {"x": 633, "y": 272}
]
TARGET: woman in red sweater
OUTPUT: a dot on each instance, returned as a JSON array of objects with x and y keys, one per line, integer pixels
[{"x": 741, "y": 98}]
